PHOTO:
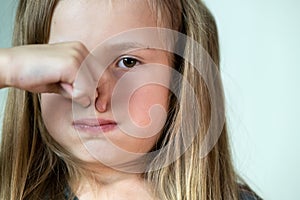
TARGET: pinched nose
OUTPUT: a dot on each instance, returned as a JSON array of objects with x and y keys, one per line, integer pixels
[{"x": 104, "y": 91}]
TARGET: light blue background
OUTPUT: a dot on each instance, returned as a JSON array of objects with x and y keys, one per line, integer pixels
[
  {"x": 260, "y": 50},
  {"x": 7, "y": 8}
]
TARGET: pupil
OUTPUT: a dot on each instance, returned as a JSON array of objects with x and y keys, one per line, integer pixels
[{"x": 129, "y": 62}]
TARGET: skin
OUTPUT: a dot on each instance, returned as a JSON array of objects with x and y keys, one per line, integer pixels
[
  {"x": 78, "y": 27},
  {"x": 59, "y": 64},
  {"x": 116, "y": 146}
]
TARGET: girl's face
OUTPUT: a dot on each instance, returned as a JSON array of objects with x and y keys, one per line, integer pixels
[{"x": 94, "y": 133}]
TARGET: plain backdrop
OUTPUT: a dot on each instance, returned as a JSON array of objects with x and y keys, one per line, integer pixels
[{"x": 260, "y": 50}]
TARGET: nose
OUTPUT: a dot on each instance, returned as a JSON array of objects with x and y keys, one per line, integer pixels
[{"x": 104, "y": 91}]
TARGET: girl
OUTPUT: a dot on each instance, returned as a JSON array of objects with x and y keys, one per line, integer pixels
[{"x": 64, "y": 133}]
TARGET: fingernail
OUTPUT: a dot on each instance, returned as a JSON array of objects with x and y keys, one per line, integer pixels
[{"x": 67, "y": 87}]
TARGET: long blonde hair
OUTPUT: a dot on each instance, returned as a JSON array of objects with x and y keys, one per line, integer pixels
[{"x": 33, "y": 166}]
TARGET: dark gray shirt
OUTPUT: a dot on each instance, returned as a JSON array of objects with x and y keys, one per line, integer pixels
[{"x": 244, "y": 195}]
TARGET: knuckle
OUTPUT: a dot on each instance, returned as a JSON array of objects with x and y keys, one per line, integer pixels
[
  {"x": 73, "y": 62},
  {"x": 78, "y": 46},
  {"x": 75, "y": 53}
]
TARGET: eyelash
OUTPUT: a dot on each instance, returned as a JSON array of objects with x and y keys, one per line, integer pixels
[{"x": 121, "y": 62}]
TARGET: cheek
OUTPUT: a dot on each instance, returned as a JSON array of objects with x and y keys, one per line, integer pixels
[
  {"x": 140, "y": 104},
  {"x": 57, "y": 117},
  {"x": 54, "y": 108},
  {"x": 145, "y": 100}
]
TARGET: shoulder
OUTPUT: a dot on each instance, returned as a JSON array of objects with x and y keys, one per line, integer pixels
[
  {"x": 246, "y": 193},
  {"x": 68, "y": 194}
]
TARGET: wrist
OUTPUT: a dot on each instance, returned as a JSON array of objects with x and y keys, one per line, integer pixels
[{"x": 4, "y": 66}]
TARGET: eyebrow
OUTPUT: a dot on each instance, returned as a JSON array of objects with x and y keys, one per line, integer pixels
[
  {"x": 113, "y": 49},
  {"x": 122, "y": 46}
]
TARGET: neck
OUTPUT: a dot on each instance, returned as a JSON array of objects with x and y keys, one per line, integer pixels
[{"x": 102, "y": 182}]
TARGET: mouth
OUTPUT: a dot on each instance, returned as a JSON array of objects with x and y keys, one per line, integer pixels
[{"x": 94, "y": 125}]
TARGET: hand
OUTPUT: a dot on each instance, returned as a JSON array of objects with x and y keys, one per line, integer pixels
[{"x": 49, "y": 68}]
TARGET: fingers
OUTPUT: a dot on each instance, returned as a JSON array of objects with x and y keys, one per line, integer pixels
[
  {"x": 68, "y": 69},
  {"x": 85, "y": 84},
  {"x": 81, "y": 98},
  {"x": 77, "y": 82},
  {"x": 66, "y": 90}
]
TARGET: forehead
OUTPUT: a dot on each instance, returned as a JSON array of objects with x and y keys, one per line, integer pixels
[{"x": 93, "y": 21}]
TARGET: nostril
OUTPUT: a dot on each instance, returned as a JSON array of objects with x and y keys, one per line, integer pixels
[
  {"x": 96, "y": 94},
  {"x": 100, "y": 105}
]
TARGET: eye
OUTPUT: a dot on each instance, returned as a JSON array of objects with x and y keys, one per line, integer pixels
[{"x": 127, "y": 62}]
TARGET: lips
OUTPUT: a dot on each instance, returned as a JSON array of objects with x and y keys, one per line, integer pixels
[{"x": 94, "y": 125}]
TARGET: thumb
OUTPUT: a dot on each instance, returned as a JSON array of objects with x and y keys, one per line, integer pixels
[{"x": 79, "y": 97}]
